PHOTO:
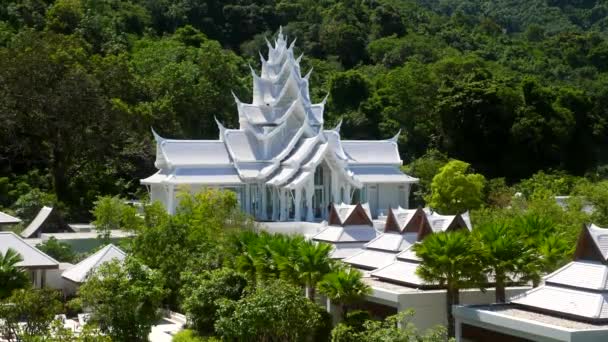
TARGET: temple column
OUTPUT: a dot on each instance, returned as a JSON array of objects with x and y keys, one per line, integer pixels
[
  {"x": 347, "y": 194},
  {"x": 248, "y": 200},
  {"x": 310, "y": 190},
  {"x": 275, "y": 204},
  {"x": 298, "y": 205},
  {"x": 283, "y": 205},
  {"x": 171, "y": 199},
  {"x": 335, "y": 189},
  {"x": 264, "y": 206}
]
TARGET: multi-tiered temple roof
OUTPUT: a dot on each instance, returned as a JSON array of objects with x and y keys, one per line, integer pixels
[{"x": 280, "y": 143}]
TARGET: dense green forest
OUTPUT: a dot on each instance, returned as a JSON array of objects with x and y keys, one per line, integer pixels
[{"x": 510, "y": 86}]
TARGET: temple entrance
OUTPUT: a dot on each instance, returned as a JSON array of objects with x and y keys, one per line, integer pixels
[{"x": 321, "y": 195}]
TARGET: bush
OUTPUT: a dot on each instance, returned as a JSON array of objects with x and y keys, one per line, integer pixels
[{"x": 188, "y": 335}]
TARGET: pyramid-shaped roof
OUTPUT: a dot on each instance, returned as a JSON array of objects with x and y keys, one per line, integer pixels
[
  {"x": 592, "y": 244},
  {"x": 81, "y": 271},
  {"x": 350, "y": 214},
  {"x": 580, "y": 288},
  {"x": 32, "y": 256}
]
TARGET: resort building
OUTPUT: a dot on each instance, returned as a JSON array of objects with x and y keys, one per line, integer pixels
[
  {"x": 35, "y": 262},
  {"x": 282, "y": 162},
  {"x": 570, "y": 305},
  {"x": 403, "y": 228},
  {"x": 349, "y": 227},
  {"x": 79, "y": 273},
  {"x": 8, "y": 220}
]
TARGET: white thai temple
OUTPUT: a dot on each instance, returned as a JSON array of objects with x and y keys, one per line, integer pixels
[{"x": 282, "y": 162}]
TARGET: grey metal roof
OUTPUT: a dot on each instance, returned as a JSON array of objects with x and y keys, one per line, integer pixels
[
  {"x": 393, "y": 242},
  {"x": 32, "y": 228},
  {"x": 371, "y": 259},
  {"x": 346, "y": 234},
  {"x": 83, "y": 269},
  {"x": 403, "y": 272},
  {"x": 568, "y": 301},
  {"x": 32, "y": 256},
  {"x": 581, "y": 274},
  {"x": 8, "y": 219}
]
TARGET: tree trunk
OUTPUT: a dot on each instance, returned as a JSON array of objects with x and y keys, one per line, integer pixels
[
  {"x": 344, "y": 310},
  {"x": 312, "y": 293},
  {"x": 452, "y": 298},
  {"x": 500, "y": 289}
]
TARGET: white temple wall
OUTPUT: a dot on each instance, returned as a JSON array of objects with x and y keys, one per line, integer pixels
[
  {"x": 158, "y": 193},
  {"x": 382, "y": 196}
]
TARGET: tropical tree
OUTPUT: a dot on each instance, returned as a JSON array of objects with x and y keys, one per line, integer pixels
[
  {"x": 125, "y": 298},
  {"x": 60, "y": 251},
  {"x": 344, "y": 286},
  {"x": 12, "y": 277},
  {"x": 502, "y": 255},
  {"x": 201, "y": 292},
  {"x": 539, "y": 234},
  {"x": 312, "y": 264},
  {"x": 394, "y": 328},
  {"x": 455, "y": 190},
  {"x": 36, "y": 307},
  {"x": 451, "y": 261},
  {"x": 275, "y": 311}
]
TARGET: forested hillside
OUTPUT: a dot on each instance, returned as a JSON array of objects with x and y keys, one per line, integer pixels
[{"x": 510, "y": 86}]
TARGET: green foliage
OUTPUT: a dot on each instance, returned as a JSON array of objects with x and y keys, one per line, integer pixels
[
  {"x": 188, "y": 335},
  {"x": 124, "y": 298},
  {"x": 425, "y": 168},
  {"x": 112, "y": 213},
  {"x": 276, "y": 311},
  {"x": 12, "y": 277},
  {"x": 392, "y": 329},
  {"x": 451, "y": 261},
  {"x": 511, "y": 88},
  {"x": 194, "y": 239},
  {"x": 201, "y": 293},
  {"x": 503, "y": 255},
  {"x": 29, "y": 204},
  {"x": 35, "y": 307},
  {"x": 455, "y": 190},
  {"x": 344, "y": 286},
  {"x": 555, "y": 183},
  {"x": 59, "y": 251}
]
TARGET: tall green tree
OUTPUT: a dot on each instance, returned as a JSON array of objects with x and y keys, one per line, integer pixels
[
  {"x": 312, "y": 264},
  {"x": 502, "y": 255},
  {"x": 275, "y": 311},
  {"x": 125, "y": 298},
  {"x": 201, "y": 293},
  {"x": 455, "y": 190},
  {"x": 28, "y": 313},
  {"x": 344, "y": 287},
  {"x": 450, "y": 260}
]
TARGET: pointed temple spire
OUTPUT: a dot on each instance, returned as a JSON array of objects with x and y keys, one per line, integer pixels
[{"x": 280, "y": 143}]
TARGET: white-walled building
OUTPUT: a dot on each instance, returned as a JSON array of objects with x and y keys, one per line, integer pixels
[
  {"x": 571, "y": 304},
  {"x": 282, "y": 162}
]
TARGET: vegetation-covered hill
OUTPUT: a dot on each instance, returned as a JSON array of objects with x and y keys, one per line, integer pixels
[{"x": 510, "y": 86}]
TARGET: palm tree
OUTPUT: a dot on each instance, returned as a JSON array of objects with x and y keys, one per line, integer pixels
[
  {"x": 312, "y": 264},
  {"x": 12, "y": 277},
  {"x": 502, "y": 254},
  {"x": 344, "y": 287},
  {"x": 449, "y": 260},
  {"x": 551, "y": 247}
]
